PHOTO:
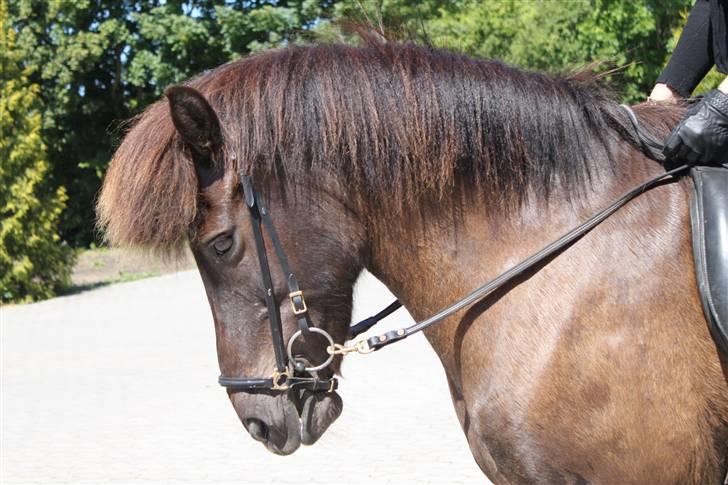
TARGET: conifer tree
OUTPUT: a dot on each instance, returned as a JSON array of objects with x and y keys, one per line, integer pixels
[{"x": 34, "y": 262}]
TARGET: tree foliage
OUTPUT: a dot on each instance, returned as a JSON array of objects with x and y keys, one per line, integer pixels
[
  {"x": 100, "y": 62},
  {"x": 34, "y": 262},
  {"x": 546, "y": 35}
]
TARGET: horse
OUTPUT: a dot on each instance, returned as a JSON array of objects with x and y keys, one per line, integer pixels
[{"x": 436, "y": 171}]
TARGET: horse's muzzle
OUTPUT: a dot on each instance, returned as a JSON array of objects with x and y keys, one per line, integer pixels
[{"x": 282, "y": 422}]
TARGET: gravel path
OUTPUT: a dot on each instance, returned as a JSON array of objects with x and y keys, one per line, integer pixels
[{"x": 118, "y": 385}]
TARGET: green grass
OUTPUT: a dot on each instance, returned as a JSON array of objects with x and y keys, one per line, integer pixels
[{"x": 126, "y": 277}]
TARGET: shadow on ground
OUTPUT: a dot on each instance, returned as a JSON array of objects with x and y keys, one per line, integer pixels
[{"x": 100, "y": 267}]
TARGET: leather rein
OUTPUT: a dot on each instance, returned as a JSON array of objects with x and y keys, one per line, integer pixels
[{"x": 294, "y": 372}]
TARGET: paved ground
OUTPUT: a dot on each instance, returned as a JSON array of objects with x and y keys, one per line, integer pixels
[{"x": 118, "y": 385}]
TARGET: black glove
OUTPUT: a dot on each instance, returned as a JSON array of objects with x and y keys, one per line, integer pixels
[{"x": 702, "y": 136}]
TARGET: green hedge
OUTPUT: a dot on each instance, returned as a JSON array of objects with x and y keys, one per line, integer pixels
[{"x": 34, "y": 262}]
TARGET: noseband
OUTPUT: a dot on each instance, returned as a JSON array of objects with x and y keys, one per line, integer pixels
[{"x": 293, "y": 372}]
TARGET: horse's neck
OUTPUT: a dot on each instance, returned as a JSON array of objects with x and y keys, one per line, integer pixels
[{"x": 432, "y": 261}]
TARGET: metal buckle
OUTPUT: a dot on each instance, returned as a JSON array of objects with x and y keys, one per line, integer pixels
[
  {"x": 276, "y": 377},
  {"x": 296, "y": 310}
]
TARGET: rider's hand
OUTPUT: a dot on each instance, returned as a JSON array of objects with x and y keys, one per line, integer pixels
[{"x": 702, "y": 136}]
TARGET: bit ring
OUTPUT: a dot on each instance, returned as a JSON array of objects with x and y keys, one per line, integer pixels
[{"x": 289, "y": 349}]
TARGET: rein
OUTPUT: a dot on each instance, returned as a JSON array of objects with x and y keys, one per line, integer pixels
[{"x": 296, "y": 374}]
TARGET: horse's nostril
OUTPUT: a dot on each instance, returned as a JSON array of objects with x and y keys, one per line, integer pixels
[{"x": 257, "y": 429}]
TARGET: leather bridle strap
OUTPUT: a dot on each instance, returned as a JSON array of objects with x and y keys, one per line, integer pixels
[
  {"x": 368, "y": 323},
  {"x": 295, "y": 295},
  {"x": 283, "y": 378},
  {"x": 380, "y": 341},
  {"x": 274, "y": 316},
  {"x": 650, "y": 147},
  {"x": 268, "y": 384}
]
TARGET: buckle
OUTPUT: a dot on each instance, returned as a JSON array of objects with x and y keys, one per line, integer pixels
[
  {"x": 280, "y": 380},
  {"x": 297, "y": 310}
]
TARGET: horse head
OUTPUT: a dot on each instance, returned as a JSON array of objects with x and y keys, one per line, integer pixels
[
  {"x": 324, "y": 242},
  {"x": 317, "y": 230}
]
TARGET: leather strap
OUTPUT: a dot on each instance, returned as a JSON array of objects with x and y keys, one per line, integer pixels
[
  {"x": 650, "y": 146},
  {"x": 283, "y": 379},
  {"x": 274, "y": 315},
  {"x": 298, "y": 303},
  {"x": 368, "y": 323},
  {"x": 255, "y": 384}
]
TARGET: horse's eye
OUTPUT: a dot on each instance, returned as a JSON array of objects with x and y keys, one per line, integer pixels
[{"x": 223, "y": 244}]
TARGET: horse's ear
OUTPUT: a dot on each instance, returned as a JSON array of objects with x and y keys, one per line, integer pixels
[{"x": 195, "y": 121}]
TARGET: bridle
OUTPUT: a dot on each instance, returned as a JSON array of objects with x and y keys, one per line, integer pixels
[{"x": 293, "y": 372}]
